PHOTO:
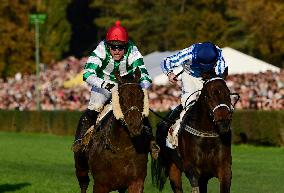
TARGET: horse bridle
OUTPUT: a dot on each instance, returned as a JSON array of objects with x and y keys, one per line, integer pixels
[
  {"x": 230, "y": 109},
  {"x": 132, "y": 108}
]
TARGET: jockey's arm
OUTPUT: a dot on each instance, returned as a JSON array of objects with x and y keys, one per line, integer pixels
[
  {"x": 221, "y": 68},
  {"x": 145, "y": 80},
  {"x": 90, "y": 73},
  {"x": 175, "y": 60},
  {"x": 136, "y": 60}
]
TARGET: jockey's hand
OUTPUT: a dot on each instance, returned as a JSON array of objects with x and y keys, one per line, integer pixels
[
  {"x": 205, "y": 76},
  {"x": 109, "y": 86},
  {"x": 172, "y": 78}
]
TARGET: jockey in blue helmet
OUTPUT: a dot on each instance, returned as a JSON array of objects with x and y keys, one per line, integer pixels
[{"x": 199, "y": 61}]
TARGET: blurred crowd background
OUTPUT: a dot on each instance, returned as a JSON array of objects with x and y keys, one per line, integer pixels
[
  {"x": 70, "y": 28},
  {"x": 263, "y": 91}
]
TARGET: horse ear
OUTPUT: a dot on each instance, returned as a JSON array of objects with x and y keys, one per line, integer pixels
[
  {"x": 137, "y": 74},
  {"x": 117, "y": 76},
  {"x": 225, "y": 74}
]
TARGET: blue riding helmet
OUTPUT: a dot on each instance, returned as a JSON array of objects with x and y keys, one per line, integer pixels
[{"x": 206, "y": 53}]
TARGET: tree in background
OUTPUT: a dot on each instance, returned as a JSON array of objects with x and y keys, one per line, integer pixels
[
  {"x": 17, "y": 34},
  {"x": 84, "y": 38},
  {"x": 257, "y": 28},
  {"x": 166, "y": 25},
  {"x": 17, "y": 39},
  {"x": 56, "y": 32},
  {"x": 254, "y": 27},
  {"x": 196, "y": 21},
  {"x": 75, "y": 27}
]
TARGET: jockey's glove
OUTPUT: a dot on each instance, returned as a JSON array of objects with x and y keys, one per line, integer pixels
[
  {"x": 107, "y": 85},
  {"x": 145, "y": 84}
]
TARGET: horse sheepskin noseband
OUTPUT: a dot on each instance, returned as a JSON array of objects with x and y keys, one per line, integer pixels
[{"x": 117, "y": 109}]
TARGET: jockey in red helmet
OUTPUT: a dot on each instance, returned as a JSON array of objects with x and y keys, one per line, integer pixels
[
  {"x": 114, "y": 53},
  {"x": 117, "y": 33}
]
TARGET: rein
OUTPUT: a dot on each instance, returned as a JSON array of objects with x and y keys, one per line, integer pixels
[
  {"x": 230, "y": 109},
  {"x": 161, "y": 117},
  {"x": 200, "y": 133},
  {"x": 211, "y": 112},
  {"x": 128, "y": 83}
]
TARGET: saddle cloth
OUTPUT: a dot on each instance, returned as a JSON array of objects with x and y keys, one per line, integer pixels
[
  {"x": 87, "y": 136},
  {"x": 172, "y": 138}
]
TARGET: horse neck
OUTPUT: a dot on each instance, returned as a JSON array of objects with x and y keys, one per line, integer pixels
[
  {"x": 120, "y": 137},
  {"x": 199, "y": 117},
  {"x": 118, "y": 131}
]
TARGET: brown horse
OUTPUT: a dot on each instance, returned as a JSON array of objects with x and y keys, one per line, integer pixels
[
  {"x": 204, "y": 149},
  {"x": 117, "y": 153}
]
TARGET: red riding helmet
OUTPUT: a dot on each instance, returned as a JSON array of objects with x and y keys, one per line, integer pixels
[{"x": 117, "y": 33}]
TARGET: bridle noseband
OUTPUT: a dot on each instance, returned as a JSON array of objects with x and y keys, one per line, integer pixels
[
  {"x": 132, "y": 108},
  {"x": 230, "y": 109}
]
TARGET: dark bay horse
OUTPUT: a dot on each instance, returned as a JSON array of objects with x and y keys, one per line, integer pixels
[
  {"x": 117, "y": 152},
  {"x": 204, "y": 149}
]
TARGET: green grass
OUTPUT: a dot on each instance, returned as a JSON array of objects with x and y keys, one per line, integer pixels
[{"x": 42, "y": 163}]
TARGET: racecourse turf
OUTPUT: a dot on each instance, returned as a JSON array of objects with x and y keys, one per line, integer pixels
[{"x": 42, "y": 163}]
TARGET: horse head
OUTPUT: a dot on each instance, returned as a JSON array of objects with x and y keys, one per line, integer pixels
[
  {"x": 130, "y": 102},
  {"x": 216, "y": 95}
]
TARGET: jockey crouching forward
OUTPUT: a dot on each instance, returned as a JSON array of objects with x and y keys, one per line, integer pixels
[
  {"x": 200, "y": 61},
  {"x": 115, "y": 53}
]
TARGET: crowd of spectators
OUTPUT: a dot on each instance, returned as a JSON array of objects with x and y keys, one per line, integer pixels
[
  {"x": 263, "y": 91},
  {"x": 20, "y": 92}
]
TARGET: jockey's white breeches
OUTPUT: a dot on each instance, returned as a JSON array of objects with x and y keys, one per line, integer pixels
[
  {"x": 190, "y": 85},
  {"x": 98, "y": 98}
]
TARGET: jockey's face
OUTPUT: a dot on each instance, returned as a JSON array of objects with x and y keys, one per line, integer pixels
[{"x": 117, "y": 51}]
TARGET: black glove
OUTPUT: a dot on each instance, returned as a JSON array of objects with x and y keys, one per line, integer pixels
[
  {"x": 206, "y": 76},
  {"x": 107, "y": 85}
]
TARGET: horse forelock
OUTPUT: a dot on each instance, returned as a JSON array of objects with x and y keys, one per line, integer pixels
[{"x": 207, "y": 92}]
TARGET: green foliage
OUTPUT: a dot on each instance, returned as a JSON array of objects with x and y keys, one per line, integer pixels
[
  {"x": 153, "y": 25},
  {"x": 259, "y": 127},
  {"x": 55, "y": 122},
  {"x": 252, "y": 127},
  {"x": 17, "y": 40},
  {"x": 56, "y": 33},
  {"x": 17, "y": 34},
  {"x": 257, "y": 28},
  {"x": 172, "y": 25}
]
